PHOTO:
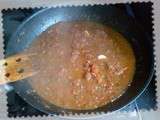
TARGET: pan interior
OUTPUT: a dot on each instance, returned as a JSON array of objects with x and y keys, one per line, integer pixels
[{"x": 88, "y": 63}]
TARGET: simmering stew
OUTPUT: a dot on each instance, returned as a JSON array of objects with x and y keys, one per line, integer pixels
[{"x": 81, "y": 65}]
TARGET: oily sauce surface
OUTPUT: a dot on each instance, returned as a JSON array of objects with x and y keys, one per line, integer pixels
[{"x": 81, "y": 65}]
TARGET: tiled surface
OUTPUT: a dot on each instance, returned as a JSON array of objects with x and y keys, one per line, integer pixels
[
  {"x": 132, "y": 115},
  {"x": 17, "y": 107}
]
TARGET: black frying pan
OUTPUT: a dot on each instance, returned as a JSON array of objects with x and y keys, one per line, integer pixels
[{"x": 107, "y": 15}]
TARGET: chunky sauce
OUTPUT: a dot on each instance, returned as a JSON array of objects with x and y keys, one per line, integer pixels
[{"x": 81, "y": 65}]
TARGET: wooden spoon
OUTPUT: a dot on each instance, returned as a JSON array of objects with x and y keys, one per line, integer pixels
[{"x": 16, "y": 68}]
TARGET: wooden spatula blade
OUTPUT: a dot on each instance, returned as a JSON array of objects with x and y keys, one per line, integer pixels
[{"x": 16, "y": 68}]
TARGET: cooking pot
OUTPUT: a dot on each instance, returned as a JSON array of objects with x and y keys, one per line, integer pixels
[{"x": 108, "y": 15}]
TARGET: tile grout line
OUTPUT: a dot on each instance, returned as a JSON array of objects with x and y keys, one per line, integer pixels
[{"x": 3, "y": 100}]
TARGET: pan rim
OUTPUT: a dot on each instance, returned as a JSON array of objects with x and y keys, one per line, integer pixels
[{"x": 151, "y": 72}]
